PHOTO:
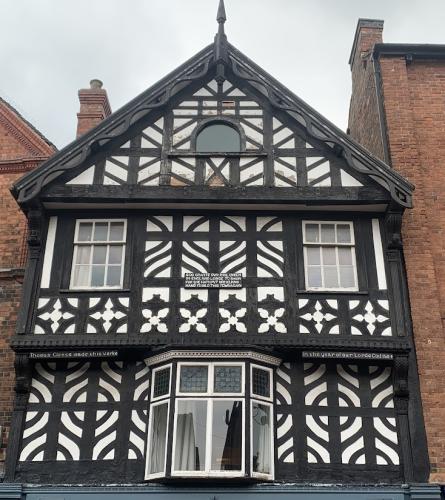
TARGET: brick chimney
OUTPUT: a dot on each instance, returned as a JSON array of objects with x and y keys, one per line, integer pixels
[
  {"x": 94, "y": 107},
  {"x": 364, "y": 120},
  {"x": 367, "y": 34}
]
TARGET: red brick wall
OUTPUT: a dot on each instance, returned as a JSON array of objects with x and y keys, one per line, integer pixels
[
  {"x": 21, "y": 150},
  {"x": 414, "y": 97}
]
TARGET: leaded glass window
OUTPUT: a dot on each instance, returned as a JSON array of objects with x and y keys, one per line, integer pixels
[
  {"x": 161, "y": 382},
  {"x": 260, "y": 382},
  {"x": 227, "y": 379},
  {"x": 193, "y": 379}
]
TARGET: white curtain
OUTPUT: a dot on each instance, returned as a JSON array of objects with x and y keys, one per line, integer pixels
[
  {"x": 264, "y": 455},
  {"x": 185, "y": 452},
  {"x": 158, "y": 439}
]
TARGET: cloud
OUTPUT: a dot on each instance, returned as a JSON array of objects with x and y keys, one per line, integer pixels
[{"x": 50, "y": 48}]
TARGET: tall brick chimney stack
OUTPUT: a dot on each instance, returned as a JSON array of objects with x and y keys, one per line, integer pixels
[
  {"x": 364, "y": 121},
  {"x": 94, "y": 107}
]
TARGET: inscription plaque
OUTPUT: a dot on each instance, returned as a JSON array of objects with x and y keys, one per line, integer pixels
[
  {"x": 73, "y": 354},
  {"x": 347, "y": 355},
  {"x": 213, "y": 280}
]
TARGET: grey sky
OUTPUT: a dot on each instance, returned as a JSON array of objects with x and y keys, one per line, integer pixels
[{"x": 51, "y": 48}]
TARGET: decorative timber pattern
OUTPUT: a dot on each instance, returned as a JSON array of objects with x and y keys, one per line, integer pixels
[
  {"x": 86, "y": 411},
  {"x": 266, "y": 250},
  {"x": 335, "y": 419},
  {"x": 330, "y": 418},
  {"x": 273, "y": 153}
]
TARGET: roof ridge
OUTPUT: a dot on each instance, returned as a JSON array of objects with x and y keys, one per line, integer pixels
[{"x": 28, "y": 123}]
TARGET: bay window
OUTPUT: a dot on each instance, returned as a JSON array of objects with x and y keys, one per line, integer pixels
[{"x": 215, "y": 405}]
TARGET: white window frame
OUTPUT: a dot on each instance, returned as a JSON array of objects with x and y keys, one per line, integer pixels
[
  {"x": 153, "y": 373},
  {"x": 335, "y": 245},
  {"x": 107, "y": 243},
  {"x": 271, "y": 387},
  {"x": 208, "y": 452},
  {"x": 261, "y": 475},
  {"x": 210, "y": 379},
  {"x": 156, "y": 475}
]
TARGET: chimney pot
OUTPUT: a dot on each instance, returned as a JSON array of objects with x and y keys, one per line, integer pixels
[
  {"x": 94, "y": 107},
  {"x": 96, "y": 84}
]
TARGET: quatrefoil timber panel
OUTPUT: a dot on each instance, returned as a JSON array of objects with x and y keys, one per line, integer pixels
[
  {"x": 161, "y": 153},
  {"x": 263, "y": 249}
]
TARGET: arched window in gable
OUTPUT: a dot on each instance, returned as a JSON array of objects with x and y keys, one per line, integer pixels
[{"x": 218, "y": 137}]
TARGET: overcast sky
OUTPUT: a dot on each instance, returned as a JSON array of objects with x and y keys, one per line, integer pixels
[{"x": 51, "y": 48}]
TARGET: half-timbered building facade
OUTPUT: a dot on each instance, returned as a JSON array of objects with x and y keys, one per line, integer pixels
[{"x": 216, "y": 294}]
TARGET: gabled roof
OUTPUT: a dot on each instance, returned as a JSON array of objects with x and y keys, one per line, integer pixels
[
  {"x": 222, "y": 58},
  {"x": 32, "y": 139}
]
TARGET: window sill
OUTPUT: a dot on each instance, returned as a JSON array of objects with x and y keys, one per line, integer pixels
[
  {"x": 332, "y": 292},
  {"x": 94, "y": 290},
  {"x": 213, "y": 479},
  {"x": 194, "y": 154}
]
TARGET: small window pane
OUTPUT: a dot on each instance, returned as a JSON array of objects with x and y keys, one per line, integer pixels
[
  {"x": 313, "y": 256},
  {"x": 312, "y": 233},
  {"x": 99, "y": 254},
  {"x": 158, "y": 438},
  {"x": 261, "y": 439},
  {"x": 190, "y": 441},
  {"x": 193, "y": 379},
  {"x": 218, "y": 138},
  {"x": 227, "y": 432},
  {"x": 116, "y": 231},
  {"x": 85, "y": 229},
  {"x": 83, "y": 255},
  {"x": 343, "y": 233},
  {"x": 115, "y": 255},
  {"x": 330, "y": 277},
  {"x": 314, "y": 277},
  {"x": 97, "y": 275},
  {"x": 345, "y": 256},
  {"x": 260, "y": 382},
  {"x": 329, "y": 258},
  {"x": 114, "y": 276},
  {"x": 161, "y": 384},
  {"x": 227, "y": 379},
  {"x": 80, "y": 277},
  {"x": 328, "y": 233},
  {"x": 101, "y": 231},
  {"x": 347, "y": 278}
]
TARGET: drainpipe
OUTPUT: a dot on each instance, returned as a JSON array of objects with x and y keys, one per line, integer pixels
[{"x": 381, "y": 108}]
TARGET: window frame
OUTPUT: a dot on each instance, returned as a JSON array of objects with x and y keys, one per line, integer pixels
[
  {"x": 210, "y": 379},
  {"x": 262, "y": 475},
  {"x": 335, "y": 245},
  {"x": 245, "y": 397},
  {"x": 208, "y": 451},
  {"x": 218, "y": 121},
  {"x": 162, "y": 473},
  {"x": 157, "y": 369},
  {"x": 108, "y": 243},
  {"x": 252, "y": 394}
]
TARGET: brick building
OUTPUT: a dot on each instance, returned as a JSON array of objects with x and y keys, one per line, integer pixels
[
  {"x": 397, "y": 112},
  {"x": 327, "y": 390},
  {"x": 22, "y": 149}
]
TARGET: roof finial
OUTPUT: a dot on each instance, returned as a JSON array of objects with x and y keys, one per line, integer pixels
[
  {"x": 220, "y": 38},
  {"x": 221, "y": 15}
]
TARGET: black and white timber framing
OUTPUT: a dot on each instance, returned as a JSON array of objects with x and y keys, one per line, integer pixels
[{"x": 351, "y": 418}]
